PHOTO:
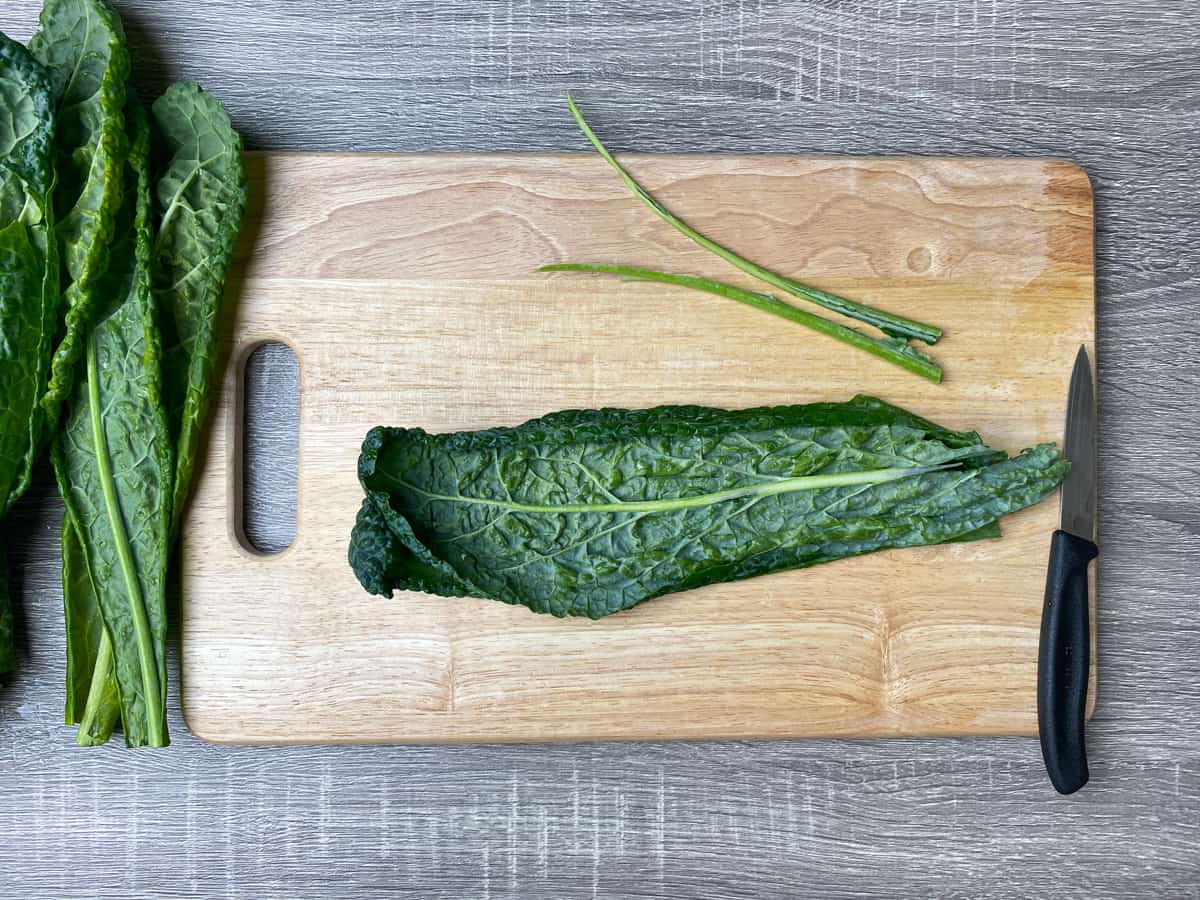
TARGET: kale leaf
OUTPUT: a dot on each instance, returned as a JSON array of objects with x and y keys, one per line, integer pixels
[
  {"x": 113, "y": 460},
  {"x": 201, "y": 198},
  {"x": 28, "y": 263},
  {"x": 82, "y": 45},
  {"x": 587, "y": 513},
  {"x": 28, "y": 282},
  {"x": 93, "y": 700}
]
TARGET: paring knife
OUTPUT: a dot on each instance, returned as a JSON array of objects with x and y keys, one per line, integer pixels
[{"x": 1064, "y": 656}]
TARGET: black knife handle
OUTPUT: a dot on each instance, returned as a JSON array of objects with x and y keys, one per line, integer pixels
[{"x": 1064, "y": 658}]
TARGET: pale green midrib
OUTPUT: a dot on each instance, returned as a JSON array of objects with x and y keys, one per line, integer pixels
[
  {"x": 761, "y": 489},
  {"x": 101, "y": 673},
  {"x": 177, "y": 199},
  {"x": 137, "y": 604},
  {"x": 75, "y": 70}
]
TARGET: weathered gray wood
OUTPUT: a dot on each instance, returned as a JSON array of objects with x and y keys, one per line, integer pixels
[{"x": 1113, "y": 84}]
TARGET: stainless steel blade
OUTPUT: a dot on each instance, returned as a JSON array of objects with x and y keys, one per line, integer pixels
[{"x": 1078, "y": 511}]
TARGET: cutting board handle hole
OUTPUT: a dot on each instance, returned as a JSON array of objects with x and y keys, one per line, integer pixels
[{"x": 270, "y": 448}]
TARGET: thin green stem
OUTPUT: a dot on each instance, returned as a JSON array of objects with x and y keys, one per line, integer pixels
[
  {"x": 97, "y": 689},
  {"x": 889, "y": 323},
  {"x": 761, "y": 489},
  {"x": 147, "y": 659},
  {"x": 894, "y": 350}
]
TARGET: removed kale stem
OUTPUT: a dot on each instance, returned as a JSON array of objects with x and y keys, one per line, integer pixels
[
  {"x": 894, "y": 350},
  {"x": 889, "y": 323}
]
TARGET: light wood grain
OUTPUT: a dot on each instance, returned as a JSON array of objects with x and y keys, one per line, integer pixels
[
  {"x": 1111, "y": 84},
  {"x": 406, "y": 287}
]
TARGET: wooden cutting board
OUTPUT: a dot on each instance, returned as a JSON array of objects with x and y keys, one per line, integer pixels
[{"x": 406, "y": 287}]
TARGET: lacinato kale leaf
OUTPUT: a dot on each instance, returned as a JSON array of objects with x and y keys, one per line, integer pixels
[
  {"x": 201, "y": 198},
  {"x": 93, "y": 699},
  {"x": 112, "y": 367},
  {"x": 28, "y": 281},
  {"x": 82, "y": 45},
  {"x": 28, "y": 262},
  {"x": 588, "y": 513},
  {"x": 113, "y": 461}
]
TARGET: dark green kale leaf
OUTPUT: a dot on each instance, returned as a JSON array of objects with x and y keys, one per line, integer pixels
[
  {"x": 28, "y": 262},
  {"x": 201, "y": 198},
  {"x": 114, "y": 466},
  {"x": 82, "y": 45},
  {"x": 28, "y": 281},
  {"x": 587, "y": 513},
  {"x": 93, "y": 700}
]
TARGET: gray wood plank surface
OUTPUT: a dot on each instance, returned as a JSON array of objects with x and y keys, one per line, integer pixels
[{"x": 1112, "y": 84}]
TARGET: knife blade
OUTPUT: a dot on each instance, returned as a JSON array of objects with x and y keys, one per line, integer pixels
[{"x": 1064, "y": 653}]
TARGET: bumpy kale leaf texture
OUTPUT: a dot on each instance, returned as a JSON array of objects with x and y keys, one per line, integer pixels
[
  {"x": 28, "y": 281},
  {"x": 82, "y": 45},
  {"x": 587, "y": 513},
  {"x": 113, "y": 460},
  {"x": 200, "y": 200}
]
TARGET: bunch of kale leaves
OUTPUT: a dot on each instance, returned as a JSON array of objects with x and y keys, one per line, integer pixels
[{"x": 116, "y": 230}]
